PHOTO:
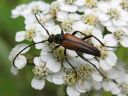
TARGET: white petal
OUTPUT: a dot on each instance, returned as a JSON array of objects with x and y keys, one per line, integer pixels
[
  {"x": 55, "y": 30},
  {"x": 97, "y": 33},
  {"x": 37, "y": 84},
  {"x": 49, "y": 77},
  {"x": 58, "y": 78},
  {"x": 20, "y": 47},
  {"x": 14, "y": 70},
  {"x": 112, "y": 28},
  {"x": 113, "y": 74},
  {"x": 20, "y": 36},
  {"x": 20, "y": 62},
  {"x": 103, "y": 6},
  {"x": 78, "y": 26},
  {"x": 111, "y": 59},
  {"x": 88, "y": 56},
  {"x": 116, "y": 91},
  {"x": 39, "y": 46},
  {"x": 107, "y": 23},
  {"x": 74, "y": 16},
  {"x": 51, "y": 62},
  {"x": 104, "y": 65},
  {"x": 97, "y": 77},
  {"x": 53, "y": 66},
  {"x": 124, "y": 42},
  {"x": 80, "y": 2},
  {"x": 71, "y": 91},
  {"x": 106, "y": 86},
  {"x": 119, "y": 22},
  {"x": 83, "y": 86},
  {"x": 71, "y": 53},
  {"x": 125, "y": 29},
  {"x": 97, "y": 85},
  {"x": 95, "y": 62},
  {"x": 18, "y": 10},
  {"x": 38, "y": 61},
  {"x": 68, "y": 8},
  {"x": 16, "y": 50},
  {"x": 38, "y": 37},
  {"x": 102, "y": 16},
  {"x": 110, "y": 40},
  {"x": 124, "y": 16},
  {"x": 61, "y": 16}
]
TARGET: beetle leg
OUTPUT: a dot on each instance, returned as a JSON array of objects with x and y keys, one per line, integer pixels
[
  {"x": 69, "y": 62},
  {"x": 87, "y": 36},
  {"x": 90, "y": 36},
  {"x": 90, "y": 63},
  {"x": 75, "y": 32}
]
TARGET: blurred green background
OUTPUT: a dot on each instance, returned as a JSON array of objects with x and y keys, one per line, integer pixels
[{"x": 19, "y": 85}]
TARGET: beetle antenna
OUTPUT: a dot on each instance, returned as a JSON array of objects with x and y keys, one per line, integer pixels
[
  {"x": 62, "y": 32},
  {"x": 24, "y": 49},
  {"x": 41, "y": 23}
]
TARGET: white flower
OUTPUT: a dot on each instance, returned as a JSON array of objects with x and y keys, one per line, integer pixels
[
  {"x": 38, "y": 83},
  {"x": 119, "y": 75},
  {"x": 68, "y": 6},
  {"x": 40, "y": 72},
  {"x": 56, "y": 78},
  {"x": 91, "y": 17},
  {"x": 18, "y": 11},
  {"x": 33, "y": 32},
  {"x": 83, "y": 82},
  {"x": 112, "y": 87},
  {"x": 20, "y": 60},
  {"x": 111, "y": 14},
  {"x": 118, "y": 35},
  {"x": 47, "y": 56},
  {"x": 107, "y": 59}
]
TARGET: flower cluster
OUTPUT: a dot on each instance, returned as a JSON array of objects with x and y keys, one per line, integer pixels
[{"x": 105, "y": 20}]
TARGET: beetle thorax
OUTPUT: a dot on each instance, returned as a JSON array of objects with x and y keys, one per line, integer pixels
[{"x": 55, "y": 38}]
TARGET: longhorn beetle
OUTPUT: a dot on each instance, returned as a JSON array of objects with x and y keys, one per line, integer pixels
[{"x": 71, "y": 42}]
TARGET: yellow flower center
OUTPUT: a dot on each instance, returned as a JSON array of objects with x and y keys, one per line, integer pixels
[
  {"x": 114, "y": 13},
  {"x": 70, "y": 77},
  {"x": 103, "y": 51},
  {"x": 90, "y": 19},
  {"x": 30, "y": 34},
  {"x": 59, "y": 54},
  {"x": 118, "y": 34},
  {"x": 54, "y": 8},
  {"x": 67, "y": 25},
  {"x": 84, "y": 72},
  {"x": 70, "y": 1},
  {"x": 124, "y": 87},
  {"x": 40, "y": 71},
  {"x": 124, "y": 4},
  {"x": 36, "y": 9},
  {"x": 90, "y": 3}
]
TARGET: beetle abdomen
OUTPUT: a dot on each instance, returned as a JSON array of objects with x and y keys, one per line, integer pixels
[{"x": 74, "y": 43}]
